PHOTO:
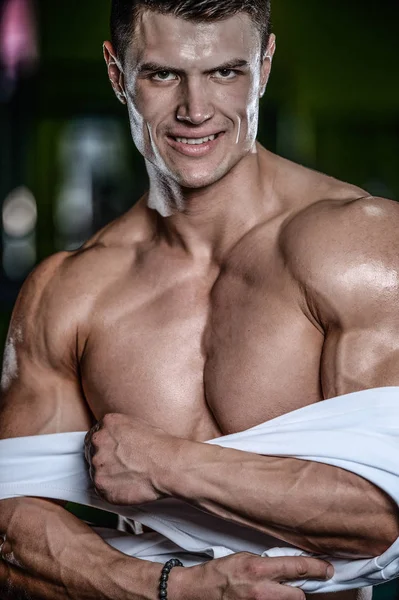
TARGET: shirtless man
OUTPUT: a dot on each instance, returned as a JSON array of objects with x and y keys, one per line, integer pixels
[{"x": 241, "y": 287}]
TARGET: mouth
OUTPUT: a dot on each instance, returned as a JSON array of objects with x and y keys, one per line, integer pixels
[
  {"x": 196, "y": 141},
  {"x": 194, "y": 146}
]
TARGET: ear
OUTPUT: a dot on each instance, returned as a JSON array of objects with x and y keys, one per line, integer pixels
[
  {"x": 267, "y": 64},
  {"x": 115, "y": 72}
]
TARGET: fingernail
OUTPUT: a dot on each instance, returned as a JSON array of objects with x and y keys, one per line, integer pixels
[{"x": 330, "y": 572}]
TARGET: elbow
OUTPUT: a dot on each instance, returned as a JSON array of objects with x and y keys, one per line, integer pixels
[
  {"x": 369, "y": 544},
  {"x": 388, "y": 531},
  {"x": 376, "y": 543},
  {"x": 386, "y": 540},
  {"x": 380, "y": 532}
]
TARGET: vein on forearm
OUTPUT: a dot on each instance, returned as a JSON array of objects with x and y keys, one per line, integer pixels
[
  {"x": 317, "y": 507},
  {"x": 60, "y": 555}
]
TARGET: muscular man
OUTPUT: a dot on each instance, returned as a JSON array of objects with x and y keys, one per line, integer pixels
[{"x": 241, "y": 287}]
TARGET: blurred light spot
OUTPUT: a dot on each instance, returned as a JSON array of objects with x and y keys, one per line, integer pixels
[
  {"x": 19, "y": 257},
  {"x": 74, "y": 212},
  {"x": 19, "y": 213},
  {"x": 91, "y": 153},
  {"x": 18, "y": 38},
  {"x": 93, "y": 144}
]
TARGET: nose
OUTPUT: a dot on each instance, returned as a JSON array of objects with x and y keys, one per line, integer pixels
[{"x": 195, "y": 106}]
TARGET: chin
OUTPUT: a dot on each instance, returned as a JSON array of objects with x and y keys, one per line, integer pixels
[
  {"x": 196, "y": 183},
  {"x": 201, "y": 179}
]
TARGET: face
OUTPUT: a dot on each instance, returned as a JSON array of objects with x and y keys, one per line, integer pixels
[{"x": 192, "y": 92}]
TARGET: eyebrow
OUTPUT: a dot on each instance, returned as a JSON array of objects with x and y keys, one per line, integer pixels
[{"x": 152, "y": 67}]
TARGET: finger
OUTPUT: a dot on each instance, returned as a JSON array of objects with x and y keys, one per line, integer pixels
[
  {"x": 88, "y": 445},
  {"x": 274, "y": 591},
  {"x": 285, "y": 592},
  {"x": 299, "y": 567}
]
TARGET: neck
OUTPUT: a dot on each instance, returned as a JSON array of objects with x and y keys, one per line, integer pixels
[{"x": 207, "y": 222}]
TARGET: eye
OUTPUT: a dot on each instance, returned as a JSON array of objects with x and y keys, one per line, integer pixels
[
  {"x": 226, "y": 74},
  {"x": 163, "y": 76}
]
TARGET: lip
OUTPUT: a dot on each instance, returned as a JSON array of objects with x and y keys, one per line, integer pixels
[{"x": 198, "y": 150}]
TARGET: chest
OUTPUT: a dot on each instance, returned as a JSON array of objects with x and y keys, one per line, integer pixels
[{"x": 204, "y": 357}]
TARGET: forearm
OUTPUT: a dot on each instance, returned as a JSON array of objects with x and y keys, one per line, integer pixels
[
  {"x": 62, "y": 557},
  {"x": 314, "y": 506}
]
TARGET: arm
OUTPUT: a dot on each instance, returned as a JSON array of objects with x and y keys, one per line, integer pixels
[
  {"x": 51, "y": 554},
  {"x": 316, "y": 507},
  {"x": 347, "y": 258},
  {"x": 59, "y": 556},
  {"x": 353, "y": 292}
]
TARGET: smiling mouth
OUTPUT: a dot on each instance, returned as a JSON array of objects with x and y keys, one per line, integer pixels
[{"x": 196, "y": 141}]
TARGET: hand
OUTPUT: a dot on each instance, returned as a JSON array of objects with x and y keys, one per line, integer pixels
[
  {"x": 246, "y": 576},
  {"x": 129, "y": 459}
]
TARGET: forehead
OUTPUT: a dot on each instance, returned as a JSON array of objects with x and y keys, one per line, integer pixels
[{"x": 169, "y": 39}]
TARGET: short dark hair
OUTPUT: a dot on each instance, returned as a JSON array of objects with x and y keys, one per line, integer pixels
[{"x": 125, "y": 12}]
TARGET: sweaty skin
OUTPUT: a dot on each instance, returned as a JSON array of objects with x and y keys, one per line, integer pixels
[{"x": 241, "y": 287}]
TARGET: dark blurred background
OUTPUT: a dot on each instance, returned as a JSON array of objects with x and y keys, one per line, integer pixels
[{"x": 67, "y": 163}]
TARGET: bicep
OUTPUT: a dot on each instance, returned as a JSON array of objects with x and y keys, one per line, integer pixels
[
  {"x": 53, "y": 406},
  {"x": 346, "y": 257},
  {"x": 40, "y": 387}
]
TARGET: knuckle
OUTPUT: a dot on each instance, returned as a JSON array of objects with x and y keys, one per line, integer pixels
[
  {"x": 109, "y": 418},
  {"x": 96, "y": 462},
  {"x": 110, "y": 496},
  {"x": 95, "y": 438},
  {"x": 301, "y": 566},
  {"x": 254, "y": 567},
  {"x": 275, "y": 569},
  {"x": 283, "y": 592},
  {"x": 99, "y": 483},
  {"x": 245, "y": 562},
  {"x": 263, "y": 592},
  {"x": 291, "y": 593},
  {"x": 257, "y": 594},
  {"x": 251, "y": 592},
  {"x": 240, "y": 558}
]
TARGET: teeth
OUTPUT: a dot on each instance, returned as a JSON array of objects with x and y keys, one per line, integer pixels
[{"x": 195, "y": 141}]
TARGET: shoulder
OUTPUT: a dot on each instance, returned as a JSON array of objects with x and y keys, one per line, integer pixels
[
  {"x": 60, "y": 295},
  {"x": 41, "y": 286},
  {"x": 41, "y": 318},
  {"x": 345, "y": 252},
  {"x": 65, "y": 286},
  {"x": 343, "y": 221},
  {"x": 51, "y": 318}
]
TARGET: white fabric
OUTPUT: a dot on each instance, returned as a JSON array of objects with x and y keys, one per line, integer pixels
[{"x": 358, "y": 432}]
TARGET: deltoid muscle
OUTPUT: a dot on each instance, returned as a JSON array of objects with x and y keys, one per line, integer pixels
[{"x": 356, "y": 432}]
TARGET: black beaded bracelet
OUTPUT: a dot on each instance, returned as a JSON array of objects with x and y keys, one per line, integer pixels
[{"x": 163, "y": 584}]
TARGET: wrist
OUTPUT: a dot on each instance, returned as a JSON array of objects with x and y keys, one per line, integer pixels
[
  {"x": 196, "y": 583},
  {"x": 137, "y": 579},
  {"x": 187, "y": 584},
  {"x": 193, "y": 467},
  {"x": 174, "y": 467},
  {"x": 177, "y": 584}
]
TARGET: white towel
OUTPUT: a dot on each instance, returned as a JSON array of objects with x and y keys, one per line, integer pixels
[{"x": 358, "y": 432}]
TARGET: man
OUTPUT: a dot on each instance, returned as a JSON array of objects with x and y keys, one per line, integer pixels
[{"x": 241, "y": 287}]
